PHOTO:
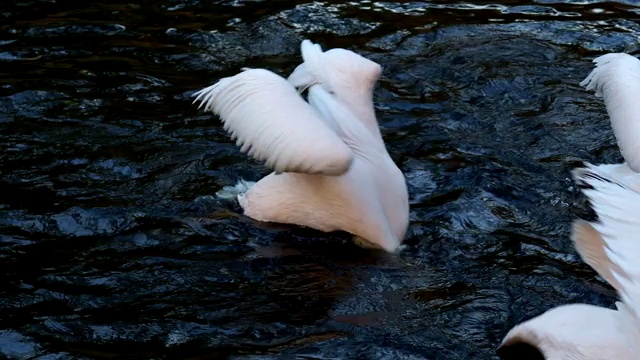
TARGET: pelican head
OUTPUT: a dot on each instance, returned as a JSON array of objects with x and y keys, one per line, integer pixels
[{"x": 343, "y": 73}]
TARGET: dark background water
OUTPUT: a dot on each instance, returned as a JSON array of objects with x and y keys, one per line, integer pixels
[{"x": 113, "y": 244}]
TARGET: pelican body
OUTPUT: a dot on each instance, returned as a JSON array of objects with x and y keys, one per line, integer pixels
[{"x": 331, "y": 168}]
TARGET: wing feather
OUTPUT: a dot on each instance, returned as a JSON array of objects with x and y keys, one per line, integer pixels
[
  {"x": 612, "y": 245},
  {"x": 591, "y": 247},
  {"x": 616, "y": 77},
  {"x": 271, "y": 122}
]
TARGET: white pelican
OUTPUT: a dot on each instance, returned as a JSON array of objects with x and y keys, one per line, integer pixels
[
  {"x": 331, "y": 168},
  {"x": 610, "y": 246},
  {"x": 616, "y": 78}
]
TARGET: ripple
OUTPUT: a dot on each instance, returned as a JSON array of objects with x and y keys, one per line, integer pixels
[{"x": 113, "y": 241}]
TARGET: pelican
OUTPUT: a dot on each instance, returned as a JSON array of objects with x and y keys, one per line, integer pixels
[
  {"x": 331, "y": 169},
  {"x": 610, "y": 246},
  {"x": 616, "y": 78}
]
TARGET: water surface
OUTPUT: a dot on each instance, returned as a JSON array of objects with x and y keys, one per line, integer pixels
[{"x": 114, "y": 244}]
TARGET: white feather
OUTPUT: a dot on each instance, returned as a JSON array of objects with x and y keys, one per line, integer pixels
[
  {"x": 616, "y": 77},
  {"x": 616, "y": 201},
  {"x": 349, "y": 76},
  {"x": 273, "y": 123},
  {"x": 305, "y": 74},
  {"x": 611, "y": 246}
]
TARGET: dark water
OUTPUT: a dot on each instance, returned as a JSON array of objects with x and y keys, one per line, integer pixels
[{"x": 114, "y": 245}]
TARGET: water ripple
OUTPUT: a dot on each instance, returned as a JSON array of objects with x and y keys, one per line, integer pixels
[{"x": 114, "y": 244}]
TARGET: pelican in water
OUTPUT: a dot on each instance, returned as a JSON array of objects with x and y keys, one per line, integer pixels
[
  {"x": 331, "y": 169},
  {"x": 611, "y": 246}
]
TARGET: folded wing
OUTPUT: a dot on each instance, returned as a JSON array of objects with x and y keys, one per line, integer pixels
[
  {"x": 271, "y": 122},
  {"x": 336, "y": 68}
]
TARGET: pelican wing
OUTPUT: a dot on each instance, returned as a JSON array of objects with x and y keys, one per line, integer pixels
[
  {"x": 616, "y": 78},
  {"x": 612, "y": 245},
  {"x": 592, "y": 248},
  {"x": 271, "y": 122}
]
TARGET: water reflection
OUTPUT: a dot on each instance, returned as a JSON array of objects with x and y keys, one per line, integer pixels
[{"x": 114, "y": 245}]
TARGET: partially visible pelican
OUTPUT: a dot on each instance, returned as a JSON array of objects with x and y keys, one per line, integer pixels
[
  {"x": 616, "y": 78},
  {"x": 331, "y": 167},
  {"x": 610, "y": 246}
]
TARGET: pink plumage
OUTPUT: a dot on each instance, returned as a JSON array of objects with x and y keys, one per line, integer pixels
[{"x": 332, "y": 169}]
